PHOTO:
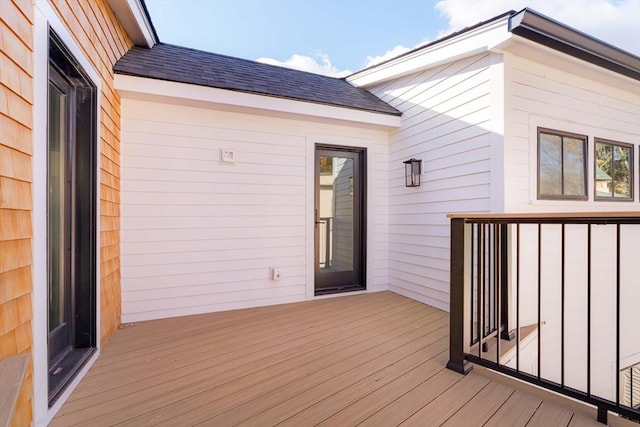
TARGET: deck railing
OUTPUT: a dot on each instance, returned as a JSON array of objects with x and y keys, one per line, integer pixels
[
  {"x": 326, "y": 234},
  {"x": 550, "y": 299}
]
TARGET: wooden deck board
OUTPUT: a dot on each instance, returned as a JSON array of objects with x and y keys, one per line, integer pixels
[
  {"x": 581, "y": 421},
  {"x": 309, "y": 407},
  {"x": 302, "y": 368},
  {"x": 368, "y": 405},
  {"x": 158, "y": 361},
  {"x": 374, "y": 359},
  {"x": 482, "y": 406},
  {"x": 208, "y": 331},
  {"x": 353, "y": 368},
  {"x": 439, "y": 410},
  {"x": 409, "y": 403},
  {"x": 419, "y": 364},
  {"x": 550, "y": 414},
  {"x": 516, "y": 411}
]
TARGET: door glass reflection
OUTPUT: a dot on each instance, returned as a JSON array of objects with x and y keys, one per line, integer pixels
[
  {"x": 55, "y": 200},
  {"x": 335, "y": 216}
]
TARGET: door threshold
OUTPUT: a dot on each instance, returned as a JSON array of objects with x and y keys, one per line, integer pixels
[
  {"x": 65, "y": 369},
  {"x": 339, "y": 290}
]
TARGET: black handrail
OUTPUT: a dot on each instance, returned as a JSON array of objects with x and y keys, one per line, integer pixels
[{"x": 487, "y": 293}]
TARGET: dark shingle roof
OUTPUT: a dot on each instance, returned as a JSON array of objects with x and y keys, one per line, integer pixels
[{"x": 185, "y": 65}]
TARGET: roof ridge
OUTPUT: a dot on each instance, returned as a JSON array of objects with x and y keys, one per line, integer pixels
[{"x": 236, "y": 58}]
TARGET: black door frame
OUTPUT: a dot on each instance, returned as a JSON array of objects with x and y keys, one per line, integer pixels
[
  {"x": 353, "y": 280},
  {"x": 80, "y": 212}
]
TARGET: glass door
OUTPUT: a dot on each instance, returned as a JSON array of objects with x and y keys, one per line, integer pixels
[
  {"x": 59, "y": 218},
  {"x": 339, "y": 220}
]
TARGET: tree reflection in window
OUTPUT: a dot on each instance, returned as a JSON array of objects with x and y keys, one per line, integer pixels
[
  {"x": 613, "y": 172},
  {"x": 561, "y": 165},
  {"x": 326, "y": 165}
]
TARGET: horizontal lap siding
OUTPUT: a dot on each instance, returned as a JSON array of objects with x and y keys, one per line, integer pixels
[
  {"x": 538, "y": 95},
  {"x": 16, "y": 126},
  {"x": 446, "y": 115},
  {"x": 568, "y": 98},
  {"x": 199, "y": 235},
  {"x": 103, "y": 41}
]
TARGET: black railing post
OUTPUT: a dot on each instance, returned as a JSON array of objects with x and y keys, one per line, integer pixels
[
  {"x": 458, "y": 308},
  {"x": 602, "y": 415},
  {"x": 507, "y": 333}
]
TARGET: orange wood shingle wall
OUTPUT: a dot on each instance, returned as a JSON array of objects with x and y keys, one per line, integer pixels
[
  {"x": 104, "y": 41},
  {"x": 16, "y": 127}
]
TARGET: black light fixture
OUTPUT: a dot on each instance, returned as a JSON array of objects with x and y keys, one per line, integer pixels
[{"x": 412, "y": 171}]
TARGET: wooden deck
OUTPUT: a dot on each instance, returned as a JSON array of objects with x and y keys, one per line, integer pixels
[{"x": 374, "y": 360}]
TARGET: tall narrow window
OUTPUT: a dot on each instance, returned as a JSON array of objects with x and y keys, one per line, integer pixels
[
  {"x": 561, "y": 165},
  {"x": 614, "y": 171},
  {"x": 71, "y": 217}
]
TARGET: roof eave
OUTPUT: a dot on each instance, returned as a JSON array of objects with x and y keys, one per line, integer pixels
[
  {"x": 135, "y": 19},
  {"x": 145, "y": 88},
  {"x": 471, "y": 41},
  {"x": 544, "y": 30}
]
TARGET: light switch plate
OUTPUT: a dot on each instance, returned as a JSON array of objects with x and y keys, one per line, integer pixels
[{"x": 227, "y": 156}]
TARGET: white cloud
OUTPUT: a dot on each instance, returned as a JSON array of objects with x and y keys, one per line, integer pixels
[
  {"x": 612, "y": 21},
  {"x": 392, "y": 53},
  {"x": 309, "y": 64}
]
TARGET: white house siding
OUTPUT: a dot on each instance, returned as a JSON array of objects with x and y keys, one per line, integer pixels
[
  {"x": 560, "y": 97},
  {"x": 448, "y": 122},
  {"x": 200, "y": 235},
  {"x": 573, "y": 97}
]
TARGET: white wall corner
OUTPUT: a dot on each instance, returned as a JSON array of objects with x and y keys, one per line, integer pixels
[
  {"x": 310, "y": 154},
  {"x": 499, "y": 156}
]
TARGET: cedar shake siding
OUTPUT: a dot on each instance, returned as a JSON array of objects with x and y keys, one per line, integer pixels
[
  {"x": 16, "y": 122},
  {"x": 103, "y": 41}
]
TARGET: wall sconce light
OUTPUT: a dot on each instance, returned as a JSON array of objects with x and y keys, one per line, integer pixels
[{"x": 412, "y": 171}]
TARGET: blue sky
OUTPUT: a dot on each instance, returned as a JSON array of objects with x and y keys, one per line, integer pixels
[{"x": 336, "y": 37}]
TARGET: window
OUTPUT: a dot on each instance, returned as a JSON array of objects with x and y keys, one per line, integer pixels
[
  {"x": 613, "y": 171},
  {"x": 561, "y": 165}
]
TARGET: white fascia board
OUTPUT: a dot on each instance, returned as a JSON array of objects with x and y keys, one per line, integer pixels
[
  {"x": 464, "y": 45},
  {"x": 142, "y": 88},
  {"x": 133, "y": 18},
  {"x": 541, "y": 54}
]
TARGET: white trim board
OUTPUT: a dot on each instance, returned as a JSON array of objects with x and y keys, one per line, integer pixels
[
  {"x": 133, "y": 18},
  {"x": 163, "y": 91}
]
